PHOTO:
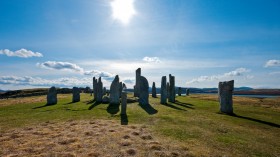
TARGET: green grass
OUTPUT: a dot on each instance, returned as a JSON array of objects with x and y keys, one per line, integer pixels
[{"x": 190, "y": 122}]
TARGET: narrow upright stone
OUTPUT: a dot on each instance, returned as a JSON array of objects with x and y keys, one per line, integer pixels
[
  {"x": 114, "y": 91},
  {"x": 124, "y": 103},
  {"x": 137, "y": 86},
  {"x": 154, "y": 91},
  {"x": 187, "y": 92},
  {"x": 144, "y": 91},
  {"x": 52, "y": 96},
  {"x": 179, "y": 91},
  {"x": 76, "y": 94},
  {"x": 94, "y": 88},
  {"x": 163, "y": 91},
  {"x": 225, "y": 96},
  {"x": 172, "y": 92},
  {"x": 104, "y": 90},
  {"x": 99, "y": 91},
  {"x": 167, "y": 90},
  {"x": 120, "y": 89}
]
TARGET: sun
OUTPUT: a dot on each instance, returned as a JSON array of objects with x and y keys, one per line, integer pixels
[{"x": 123, "y": 10}]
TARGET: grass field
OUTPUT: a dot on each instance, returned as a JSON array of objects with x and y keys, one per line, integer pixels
[{"x": 192, "y": 126}]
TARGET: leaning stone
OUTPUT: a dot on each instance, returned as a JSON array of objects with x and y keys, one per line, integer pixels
[
  {"x": 179, "y": 91},
  {"x": 76, "y": 94},
  {"x": 154, "y": 92},
  {"x": 144, "y": 91},
  {"x": 163, "y": 92},
  {"x": 225, "y": 96},
  {"x": 114, "y": 91},
  {"x": 52, "y": 96}
]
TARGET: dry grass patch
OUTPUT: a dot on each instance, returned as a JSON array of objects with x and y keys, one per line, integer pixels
[{"x": 80, "y": 138}]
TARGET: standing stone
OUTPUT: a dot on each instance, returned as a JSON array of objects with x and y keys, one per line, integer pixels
[
  {"x": 52, "y": 96},
  {"x": 124, "y": 102},
  {"x": 137, "y": 86},
  {"x": 154, "y": 92},
  {"x": 76, "y": 94},
  {"x": 172, "y": 92},
  {"x": 225, "y": 96},
  {"x": 94, "y": 88},
  {"x": 99, "y": 91},
  {"x": 124, "y": 87},
  {"x": 163, "y": 91},
  {"x": 114, "y": 91},
  {"x": 120, "y": 89},
  {"x": 144, "y": 91},
  {"x": 167, "y": 90},
  {"x": 187, "y": 92},
  {"x": 179, "y": 91},
  {"x": 134, "y": 90}
]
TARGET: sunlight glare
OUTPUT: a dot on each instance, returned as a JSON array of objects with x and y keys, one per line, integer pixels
[{"x": 123, "y": 10}]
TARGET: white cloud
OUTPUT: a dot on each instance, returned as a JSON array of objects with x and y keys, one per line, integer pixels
[
  {"x": 275, "y": 73},
  {"x": 272, "y": 63},
  {"x": 60, "y": 66},
  {"x": 98, "y": 73},
  {"x": 236, "y": 72},
  {"x": 23, "y": 53},
  {"x": 151, "y": 59}
]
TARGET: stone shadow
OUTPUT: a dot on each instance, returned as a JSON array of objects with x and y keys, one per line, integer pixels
[
  {"x": 253, "y": 119},
  {"x": 95, "y": 103},
  {"x": 186, "y": 105},
  {"x": 172, "y": 106},
  {"x": 124, "y": 119},
  {"x": 46, "y": 105},
  {"x": 113, "y": 108},
  {"x": 148, "y": 108}
]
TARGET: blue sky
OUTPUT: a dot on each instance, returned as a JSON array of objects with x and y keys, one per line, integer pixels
[{"x": 201, "y": 42}]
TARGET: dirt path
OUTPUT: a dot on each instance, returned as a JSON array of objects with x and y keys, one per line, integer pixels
[{"x": 85, "y": 138}]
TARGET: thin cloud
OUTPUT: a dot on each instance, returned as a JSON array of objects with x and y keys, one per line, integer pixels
[
  {"x": 60, "y": 66},
  {"x": 23, "y": 53},
  {"x": 151, "y": 59},
  {"x": 236, "y": 72},
  {"x": 275, "y": 73},
  {"x": 272, "y": 63}
]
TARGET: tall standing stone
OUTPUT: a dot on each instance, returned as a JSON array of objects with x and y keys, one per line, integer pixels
[
  {"x": 172, "y": 91},
  {"x": 94, "y": 88},
  {"x": 187, "y": 92},
  {"x": 144, "y": 91},
  {"x": 137, "y": 86},
  {"x": 114, "y": 91},
  {"x": 52, "y": 96},
  {"x": 163, "y": 91},
  {"x": 225, "y": 96},
  {"x": 167, "y": 90},
  {"x": 76, "y": 94},
  {"x": 154, "y": 91},
  {"x": 99, "y": 91},
  {"x": 104, "y": 90},
  {"x": 179, "y": 91},
  {"x": 124, "y": 103}
]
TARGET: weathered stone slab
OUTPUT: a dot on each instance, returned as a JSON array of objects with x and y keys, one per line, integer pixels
[
  {"x": 124, "y": 103},
  {"x": 99, "y": 91},
  {"x": 154, "y": 91},
  {"x": 137, "y": 86},
  {"x": 144, "y": 91},
  {"x": 94, "y": 88},
  {"x": 114, "y": 91},
  {"x": 76, "y": 94},
  {"x": 225, "y": 96},
  {"x": 172, "y": 92},
  {"x": 52, "y": 96},
  {"x": 163, "y": 91},
  {"x": 187, "y": 92},
  {"x": 120, "y": 89},
  {"x": 104, "y": 90}
]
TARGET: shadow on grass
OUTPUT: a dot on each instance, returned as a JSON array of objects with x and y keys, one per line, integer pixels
[
  {"x": 89, "y": 102},
  {"x": 253, "y": 119},
  {"x": 69, "y": 103},
  {"x": 124, "y": 119},
  {"x": 113, "y": 108},
  {"x": 95, "y": 103},
  {"x": 148, "y": 108},
  {"x": 184, "y": 104},
  {"x": 46, "y": 105},
  {"x": 172, "y": 106}
]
